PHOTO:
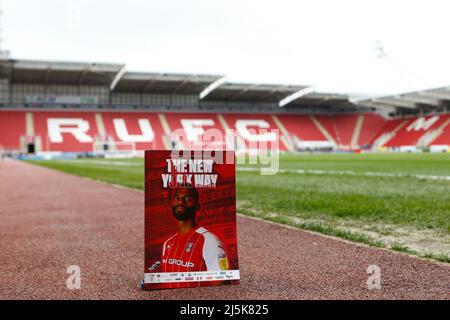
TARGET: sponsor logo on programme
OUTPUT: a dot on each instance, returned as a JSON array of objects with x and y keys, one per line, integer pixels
[
  {"x": 209, "y": 278},
  {"x": 178, "y": 279},
  {"x": 155, "y": 266},
  {"x": 180, "y": 263},
  {"x": 189, "y": 247},
  {"x": 220, "y": 278},
  {"x": 189, "y": 278}
]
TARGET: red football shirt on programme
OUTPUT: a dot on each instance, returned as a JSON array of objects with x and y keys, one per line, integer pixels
[{"x": 196, "y": 250}]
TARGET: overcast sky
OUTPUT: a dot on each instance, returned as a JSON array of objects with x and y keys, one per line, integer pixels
[{"x": 327, "y": 44}]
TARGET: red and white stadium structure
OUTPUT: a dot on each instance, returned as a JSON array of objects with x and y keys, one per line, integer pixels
[{"x": 66, "y": 107}]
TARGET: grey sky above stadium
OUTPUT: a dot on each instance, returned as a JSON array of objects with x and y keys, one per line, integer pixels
[{"x": 327, "y": 44}]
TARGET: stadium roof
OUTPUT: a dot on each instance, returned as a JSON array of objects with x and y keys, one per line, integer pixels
[
  {"x": 316, "y": 99},
  {"x": 425, "y": 99},
  {"x": 251, "y": 92},
  {"x": 163, "y": 83},
  {"x": 61, "y": 73},
  {"x": 207, "y": 87}
]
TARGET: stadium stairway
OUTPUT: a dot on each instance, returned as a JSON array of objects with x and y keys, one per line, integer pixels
[
  {"x": 285, "y": 135},
  {"x": 357, "y": 131},
  {"x": 100, "y": 125},
  {"x": 166, "y": 129}
]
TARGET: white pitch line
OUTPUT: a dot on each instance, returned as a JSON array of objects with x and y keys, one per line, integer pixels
[
  {"x": 351, "y": 173},
  {"x": 294, "y": 171},
  {"x": 103, "y": 163}
]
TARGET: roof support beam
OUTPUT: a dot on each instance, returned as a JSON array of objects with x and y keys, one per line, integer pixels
[
  {"x": 325, "y": 99},
  {"x": 271, "y": 92},
  {"x": 294, "y": 96},
  {"x": 442, "y": 95},
  {"x": 397, "y": 102},
  {"x": 422, "y": 100},
  {"x": 82, "y": 76},
  {"x": 148, "y": 85},
  {"x": 377, "y": 105},
  {"x": 117, "y": 78},
  {"x": 47, "y": 75},
  {"x": 242, "y": 92},
  {"x": 182, "y": 83},
  {"x": 213, "y": 86}
]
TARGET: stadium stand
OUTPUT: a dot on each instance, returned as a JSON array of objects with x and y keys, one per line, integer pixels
[
  {"x": 51, "y": 107},
  {"x": 78, "y": 131}
]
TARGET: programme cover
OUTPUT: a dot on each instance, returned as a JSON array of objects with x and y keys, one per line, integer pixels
[{"x": 190, "y": 219}]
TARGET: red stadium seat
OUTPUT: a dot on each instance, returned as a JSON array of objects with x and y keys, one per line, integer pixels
[
  {"x": 443, "y": 136},
  {"x": 197, "y": 127},
  {"x": 329, "y": 125},
  {"x": 142, "y": 128},
  {"x": 388, "y": 129},
  {"x": 372, "y": 124},
  {"x": 345, "y": 127},
  {"x": 66, "y": 131},
  {"x": 414, "y": 129},
  {"x": 302, "y": 127},
  {"x": 254, "y": 127},
  {"x": 12, "y": 128}
]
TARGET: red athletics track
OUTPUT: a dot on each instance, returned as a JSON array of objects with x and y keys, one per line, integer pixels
[{"x": 51, "y": 220}]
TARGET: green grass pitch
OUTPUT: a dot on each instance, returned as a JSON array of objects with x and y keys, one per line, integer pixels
[{"x": 397, "y": 201}]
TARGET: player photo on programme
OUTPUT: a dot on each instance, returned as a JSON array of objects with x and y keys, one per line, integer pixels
[{"x": 190, "y": 220}]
